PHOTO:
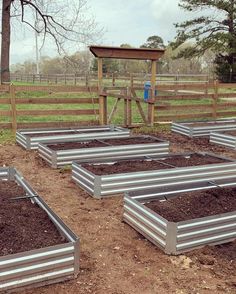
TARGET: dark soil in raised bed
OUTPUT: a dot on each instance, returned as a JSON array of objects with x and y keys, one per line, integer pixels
[
  {"x": 76, "y": 145},
  {"x": 99, "y": 143},
  {"x": 24, "y": 226},
  {"x": 72, "y": 132},
  {"x": 145, "y": 165},
  {"x": 132, "y": 140},
  {"x": 196, "y": 204}
]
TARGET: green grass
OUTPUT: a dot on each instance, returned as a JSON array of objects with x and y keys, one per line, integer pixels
[{"x": 6, "y": 137}]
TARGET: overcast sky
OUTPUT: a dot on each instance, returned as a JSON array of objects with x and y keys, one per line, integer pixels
[{"x": 123, "y": 21}]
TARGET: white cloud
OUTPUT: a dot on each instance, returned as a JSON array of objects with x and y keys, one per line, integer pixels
[{"x": 165, "y": 10}]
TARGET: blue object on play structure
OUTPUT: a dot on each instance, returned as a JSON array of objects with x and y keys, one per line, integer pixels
[
  {"x": 147, "y": 88},
  {"x": 147, "y": 91}
]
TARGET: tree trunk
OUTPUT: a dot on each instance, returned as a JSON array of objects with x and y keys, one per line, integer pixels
[
  {"x": 232, "y": 40},
  {"x": 6, "y": 35}
]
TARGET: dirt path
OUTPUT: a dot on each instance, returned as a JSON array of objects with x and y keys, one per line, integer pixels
[{"x": 114, "y": 257}]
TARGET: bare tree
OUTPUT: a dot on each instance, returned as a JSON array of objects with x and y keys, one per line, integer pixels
[{"x": 63, "y": 21}]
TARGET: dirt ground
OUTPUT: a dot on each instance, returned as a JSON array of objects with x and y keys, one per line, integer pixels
[{"x": 115, "y": 258}]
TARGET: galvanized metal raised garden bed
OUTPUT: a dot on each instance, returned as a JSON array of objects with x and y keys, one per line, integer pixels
[
  {"x": 58, "y": 158},
  {"x": 178, "y": 237},
  {"x": 223, "y": 139},
  {"x": 203, "y": 128},
  {"x": 100, "y": 186},
  {"x": 29, "y": 140},
  {"x": 43, "y": 266}
]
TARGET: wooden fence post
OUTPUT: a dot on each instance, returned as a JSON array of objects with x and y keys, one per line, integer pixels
[
  {"x": 206, "y": 87},
  {"x": 215, "y": 99},
  {"x": 129, "y": 106},
  {"x": 13, "y": 108},
  {"x": 153, "y": 88},
  {"x": 86, "y": 80},
  {"x": 131, "y": 81},
  {"x": 113, "y": 80},
  {"x": 102, "y": 96},
  {"x": 125, "y": 112},
  {"x": 103, "y": 109},
  {"x": 176, "y": 84}
]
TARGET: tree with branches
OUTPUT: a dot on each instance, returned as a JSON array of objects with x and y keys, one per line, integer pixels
[
  {"x": 62, "y": 20},
  {"x": 212, "y": 28},
  {"x": 154, "y": 42}
]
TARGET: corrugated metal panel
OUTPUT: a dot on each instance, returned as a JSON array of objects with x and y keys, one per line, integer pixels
[
  {"x": 182, "y": 236},
  {"x": 187, "y": 128},
  {"x": 181, "y": 129},
  {"x": 21, "y": 140},
  {"x": 223, "y": 139},
  {"x": 209, "y": 230},
  {"x": 64, "y": 157},
  {"x": 4, "y": 173},
  {"x": 103, "y": 132},
  {"x": 41, "y": 266},
  {"x": 106, "y": 185},
  {"x": 29, "y": 267},
  {"x": 145, "y": 222},
  {"x": 83, "y": 178}
]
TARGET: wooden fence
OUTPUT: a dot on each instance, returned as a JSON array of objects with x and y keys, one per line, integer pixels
[
  {"x": 72, "y": 105},
  {"x": 20, "y": 107},
  {"x": 196, "y": 101},
  {"x": 110, "y": 79},
  {"x": 172, "y": 102}
]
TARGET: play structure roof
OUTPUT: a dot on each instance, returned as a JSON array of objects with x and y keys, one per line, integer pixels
[{"x": 127, "y": 53}]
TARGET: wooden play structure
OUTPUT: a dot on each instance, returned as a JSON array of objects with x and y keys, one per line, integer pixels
[{"x": 126, "y": 53}]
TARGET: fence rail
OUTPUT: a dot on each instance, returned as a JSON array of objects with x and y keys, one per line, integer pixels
[{"x": 20, "y": 112}]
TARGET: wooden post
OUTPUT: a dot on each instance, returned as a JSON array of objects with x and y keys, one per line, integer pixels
[
  {"x": 102, "y": 98},
  {"x": 176, "y": 84},
  {"x": 126, "y": 108},
  {"x": 215, "y": 99},
  {"x": 129, "y": 106},
  {"x": 13, "y": 108},
  {"x": 153, "y": 86},
  {"x": 86, "y": 80},
  {"x": 113, "y": 80},
  {"x": 131, "y": 81},
  {"x": 206, "y": 88},
  {"x": 100, "y": 71}
]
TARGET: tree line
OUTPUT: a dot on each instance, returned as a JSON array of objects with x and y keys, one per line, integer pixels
[{"x": 82, "y": 63}]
